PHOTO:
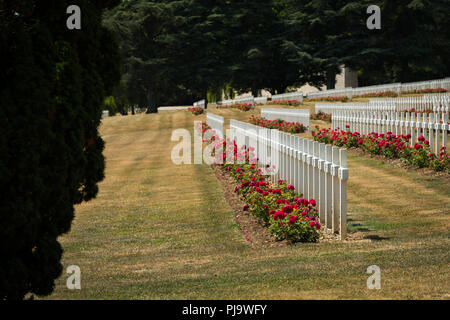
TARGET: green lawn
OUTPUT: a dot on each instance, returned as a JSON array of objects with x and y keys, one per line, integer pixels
[{"x": 161, "y": 231}]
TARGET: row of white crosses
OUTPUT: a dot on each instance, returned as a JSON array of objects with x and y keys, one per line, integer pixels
[
  {"x": 290, "y": 115},
  {"x": 297, "y": 96},
  {"x": 436, "y": 102},
  {"x": 431, "y": 84},
  {"x": 354, "y": 106},
  {"x": 396, "y": 87},
  {"x": 347, "y": 92},
  {"x": 216, "y": 123},
  {"x": 260, "y": 100},
  {"x": 200, "y": 104},
  {"x": 433, "y": 126},
  {"x": 246, "y": 100},
  {"x": 316, "y": 170}
]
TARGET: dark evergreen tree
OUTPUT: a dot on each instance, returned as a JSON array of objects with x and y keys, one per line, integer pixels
[
  {"x": 257, "y": 35},
  {"x": 323, "y": 35},
  {"x": 54, "y": 84},
  {"x": 412, "y": 45},
  {"x": 198, "y": 44}
]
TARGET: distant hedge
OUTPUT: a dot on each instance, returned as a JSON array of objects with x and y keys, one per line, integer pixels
[{"x": 54, "y": 82}]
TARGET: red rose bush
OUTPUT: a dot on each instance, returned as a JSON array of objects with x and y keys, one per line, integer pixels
[
  {"x": 294, "y": 103},
  {"x": 388, "y": 145},
  {"x": 287, "y": 215},
  {"x": 240, "y": 106},
  {"x": 291, "y": 127},
  {"x": 196, "y": 110}
]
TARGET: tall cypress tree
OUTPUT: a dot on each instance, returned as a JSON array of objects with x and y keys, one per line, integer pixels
[{"x": 55, "y": 81}]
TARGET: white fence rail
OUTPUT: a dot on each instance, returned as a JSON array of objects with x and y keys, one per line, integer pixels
[
  {"x": 200, "y": 104},
  {"x": 261, "y": 100},
  {"x": 297, "y": 96},
  {"x": 246, "y": 100},
  {"x": 396, "y": 87},
  {"x": 433, "y": 126},
  {"x": 436, "y": 102},
  {"x": 290, "y": 115},
  {"x": 355, "y": 106},
  {"x": 216, "y": 123},
  {"x": 317, "y": 170}
]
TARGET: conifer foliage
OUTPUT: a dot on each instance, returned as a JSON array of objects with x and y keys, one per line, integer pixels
[{"x": 54, "y": 84}]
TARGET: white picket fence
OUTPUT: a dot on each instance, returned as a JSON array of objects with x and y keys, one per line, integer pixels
[
  {"x": 396, "y": 87},
  {"x": 436, "y": 104},
  {"x": 439, "y": 102},
  {"x": 354, "y": 106},
  {"x": 174, "y": 108},
  {"x": 433, "y": 126},
  {"x": 200, "y": 104},
  {"x": 297, "y": 96},
  {"x": 261, "y": 100},
  {"x": 225, "y": 102},
  {"x": 317, "y": 170},
  {"x": 216, "y": 123},
  {"x": 246, "y": 100},
  {"x": 290, "y": 115},
  {"x": 430, "y": 84}
]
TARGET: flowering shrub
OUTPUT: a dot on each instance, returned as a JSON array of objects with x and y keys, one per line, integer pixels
[
  {"x": 321, "y": 116},
  {"x": 423, "y": 91},
  {"x": 242, "y": 107},
  {"x": 291, "y": 127},
  {"x": 287, "y": 215},
  {"x": 388, "y": 145},
  {"x": 196, "y": 110},
  {"x": 330, "y": 99},
  {"x": 384, "y": 94},
  {"x": 294, "y": 103}
]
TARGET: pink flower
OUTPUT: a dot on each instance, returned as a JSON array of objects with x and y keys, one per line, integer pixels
[
  {"x": 313, "y": 202},
  {"x": 421, "y": 139}
]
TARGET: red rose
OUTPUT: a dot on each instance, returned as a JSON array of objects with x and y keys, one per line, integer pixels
[{"x": 292, "y": 219}]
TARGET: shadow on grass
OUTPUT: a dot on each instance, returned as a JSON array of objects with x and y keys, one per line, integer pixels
[{"x": 374, "y": 237}]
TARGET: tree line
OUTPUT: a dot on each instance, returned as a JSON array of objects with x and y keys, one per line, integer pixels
[{"x": 177, "y": 52}]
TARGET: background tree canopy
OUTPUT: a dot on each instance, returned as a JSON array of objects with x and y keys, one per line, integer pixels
[{"x": 176, "y": 51}]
